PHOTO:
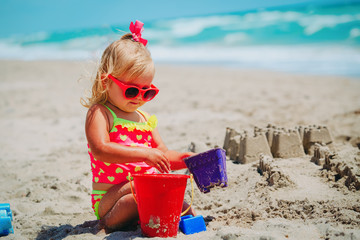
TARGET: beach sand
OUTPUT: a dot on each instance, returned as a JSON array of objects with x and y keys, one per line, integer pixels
[{"x": 45, "y": 169}]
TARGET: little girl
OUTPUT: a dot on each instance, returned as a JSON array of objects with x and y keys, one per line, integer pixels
[{"x": 122, "y": 139}]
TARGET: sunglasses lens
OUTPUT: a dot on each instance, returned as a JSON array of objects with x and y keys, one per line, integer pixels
[
  {"x": 150, "y": 94},
  {"x": 131, "y": 92}
]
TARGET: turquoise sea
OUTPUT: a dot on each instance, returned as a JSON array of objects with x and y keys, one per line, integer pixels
[{"x": 313, "y": 39}]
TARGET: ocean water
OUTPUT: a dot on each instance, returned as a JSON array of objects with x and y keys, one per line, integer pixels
[{"x": 308, "y": 39}]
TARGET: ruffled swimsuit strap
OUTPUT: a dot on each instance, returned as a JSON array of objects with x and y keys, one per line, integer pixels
[
  {"x": 142, "y": 113},
  {"x": 149, "y": 124}
]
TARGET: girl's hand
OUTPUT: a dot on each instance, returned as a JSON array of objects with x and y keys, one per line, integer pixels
[
  {"x": 177, "y": 159},
  {"x": 187, "y": 154},
  {"x": 157, "y": 159}
]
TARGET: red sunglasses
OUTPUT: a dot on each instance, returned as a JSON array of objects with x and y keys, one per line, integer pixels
[{"x": 131, "y": 91}]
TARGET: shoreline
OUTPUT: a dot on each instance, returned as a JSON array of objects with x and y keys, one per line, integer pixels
[{"x": 190, "y": 64}]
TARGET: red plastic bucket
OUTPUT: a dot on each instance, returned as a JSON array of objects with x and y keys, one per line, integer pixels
[{"x": 160, "y": 198}]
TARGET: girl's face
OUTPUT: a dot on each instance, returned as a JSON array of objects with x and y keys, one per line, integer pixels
[{"x": 116, "y": 95}]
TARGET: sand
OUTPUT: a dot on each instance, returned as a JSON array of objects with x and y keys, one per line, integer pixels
[{"x": 45, "y": 170}]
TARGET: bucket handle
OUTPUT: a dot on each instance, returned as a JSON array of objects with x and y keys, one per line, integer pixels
[
  {"x": 192, "y": 194},
  {"x": 192, "y": 191}
]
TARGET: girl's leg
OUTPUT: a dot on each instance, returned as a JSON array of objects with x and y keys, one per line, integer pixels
[
  {"x": 118, "y": 209},
  {"x": 190, "y": 211}
]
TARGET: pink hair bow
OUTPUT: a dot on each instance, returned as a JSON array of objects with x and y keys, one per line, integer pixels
[{"x": 136, "y": 30}]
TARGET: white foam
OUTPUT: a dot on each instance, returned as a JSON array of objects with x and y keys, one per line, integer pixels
[
  {"x": 185, "y": 27},
  {"x": 312, "y": 59},
  {"x": 41, "y": 52},
  {"x": 354, "y": 33},
  {"x": 315, "y": 23},
  {"x": 256, "y": 53},
  {"x": 312, "y": 23},
  {"x": 236, "y": 38}
]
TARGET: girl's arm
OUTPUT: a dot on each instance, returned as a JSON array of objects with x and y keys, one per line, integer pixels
[
  {"x": 176, "y": 158},
  {"x": 97, "y": 129}
]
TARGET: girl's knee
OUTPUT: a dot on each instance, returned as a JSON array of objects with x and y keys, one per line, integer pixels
[
  {"x": 113, "y": 195},
  {"x": 187, "y": 209},
  {"x": 129, "y": 199},
  {"x": 122, "y": 214}
]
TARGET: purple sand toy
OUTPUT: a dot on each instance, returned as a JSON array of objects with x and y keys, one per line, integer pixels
[{"x": 208, "y": 168}]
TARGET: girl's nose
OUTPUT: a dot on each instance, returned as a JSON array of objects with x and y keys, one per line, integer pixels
[{"x": 139, "y": 97}]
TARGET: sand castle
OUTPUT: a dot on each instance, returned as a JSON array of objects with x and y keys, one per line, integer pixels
[
  {"x": 287, "y": 144},
  {"x": 313, "y": 135},
  {"x": 243, "y": 147},
  {"x": 265, "y": 144},
  {"x": 320, "y": 154},
  {"x": 272, "y": 172},
  {"x": 324, "y": 157}
]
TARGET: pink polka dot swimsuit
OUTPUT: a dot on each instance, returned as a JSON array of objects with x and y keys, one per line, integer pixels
[{"x": 127, "y": 133}]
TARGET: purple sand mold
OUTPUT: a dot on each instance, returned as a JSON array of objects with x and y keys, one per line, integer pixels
[{"x": 208, "y": 168}]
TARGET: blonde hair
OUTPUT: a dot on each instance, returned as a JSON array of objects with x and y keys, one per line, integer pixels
[{"x": 124, "y": 59}]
